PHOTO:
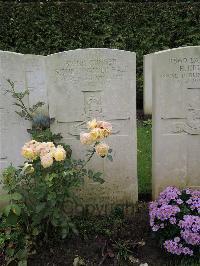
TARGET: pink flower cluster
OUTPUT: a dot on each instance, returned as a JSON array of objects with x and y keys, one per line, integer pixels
[{"x": 176, "y": 214}]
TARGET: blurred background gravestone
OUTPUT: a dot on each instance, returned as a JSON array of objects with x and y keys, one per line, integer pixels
[{"x": 176, "y": 118}]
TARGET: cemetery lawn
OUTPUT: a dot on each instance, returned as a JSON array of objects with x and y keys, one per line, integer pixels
[{"x": 144, "y": 158}]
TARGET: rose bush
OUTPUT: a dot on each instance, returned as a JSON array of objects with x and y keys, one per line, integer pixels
[
  {"x": 175, "y": 219},
  {"x": 39, "y": 191}
]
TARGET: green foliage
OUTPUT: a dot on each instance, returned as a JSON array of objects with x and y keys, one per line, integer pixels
[
  {"x": 15, "y": 243},
  {"x": 25, "y": 112},
  {"x": 37, "y": 203},
  {"x": 44, "y": 135},
  {"x": 123, "y": 250},
  {"x": 53, "y": 26},
  {"x": 144, "y": 156}
]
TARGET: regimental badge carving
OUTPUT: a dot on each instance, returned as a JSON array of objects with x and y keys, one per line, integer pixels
[
  {"x": 193, "y": 111},
  {"x": 92, "y": 104},
  {"x": 93, "y": 108},
  {"x": 191, "y": 123}
]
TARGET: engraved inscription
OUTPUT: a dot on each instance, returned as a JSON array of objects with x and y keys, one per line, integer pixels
[
  {"x": 93, "y": 69},
  {"x": 186, "y": 69}
]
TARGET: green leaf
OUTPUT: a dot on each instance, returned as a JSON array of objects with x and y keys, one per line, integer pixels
[
  {"x": 65, "y": 232},
  {"x": 16, "y": 196},
  {"x": 5, "y": 197},
  {"x": 73, "y": 228},
  {"x": 10, "y": 252},
  {"x": 12, "y": 219},
  {"x": 7, "y": 210},
  {"x": 18, "y": 104},
  {"x": 16, "y": 209},
  {"x": 40, "y": 207},
  {"x": 22, "y": 263},
  {"x": 110, "y": 158},
  {"x": 97, "y": 178},
  {"x": 35, "y": 232},
  {"x": 22, "y": 254},
  {"x": 90, "y": 173}
]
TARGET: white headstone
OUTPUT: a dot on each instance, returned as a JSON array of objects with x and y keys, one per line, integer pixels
[
  {"x": 13, "y": 130},
  {"x": 98, "y": 83},
  {"x": 176, "y": 118},
  {"x": 147, "y": 89},
  {"x": 35, "y": 75},
  {"x": 27, "y": 72}
]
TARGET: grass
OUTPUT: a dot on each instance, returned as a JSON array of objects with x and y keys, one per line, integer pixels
[{"x": 144, "y": 156}]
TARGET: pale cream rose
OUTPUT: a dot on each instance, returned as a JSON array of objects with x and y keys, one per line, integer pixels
[
  {"x": 102, "y": 149},
  {"x": 33, "y": 144},
  {"x": 85, "y": 138},
  {"x": 46, "y": 160},
  {"x": 50, "y": 144},
  {"x": 92, "y": 124},
  {"x": 104, "y": 124},
  {"x": 59, "y": 153},
  {"x": 45, "y": 147}
]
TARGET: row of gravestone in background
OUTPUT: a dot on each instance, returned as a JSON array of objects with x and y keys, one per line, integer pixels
[{"x": 101, "y": 83}]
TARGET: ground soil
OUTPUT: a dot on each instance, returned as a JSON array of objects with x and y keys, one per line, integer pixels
[{"x": 98, "y": 249}]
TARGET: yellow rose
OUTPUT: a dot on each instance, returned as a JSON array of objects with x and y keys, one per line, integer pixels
[
  {"x": 92, "y": 124},
  {"x": 29, "y": 150},
  {"x": 106, "y": 132},
  {"x": 28, "y": 153},
  {"x": 96, "y": 134},
  {"x": 102, "y": 149},
  {"x": 59, "y": 153},
  {"x": 46, "y": 160}
]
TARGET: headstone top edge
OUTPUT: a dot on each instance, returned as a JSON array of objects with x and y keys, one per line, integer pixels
[
  {"x": 20, "y": 54},
  {"x": 93, "y": 49},
  {"x": 68, "y": 52},
  {"x": 172, "y": 49}
]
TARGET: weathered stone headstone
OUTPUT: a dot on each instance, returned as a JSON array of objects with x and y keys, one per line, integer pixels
[
  {"x": 176, "y": 118},
  {"x": 27, "y": 72},
  {"x": 98, "y": 83},
  {"x": 36, "y": 80},
  {"x": 147, "y": 90},
  {"x": 12, "y": 128}
]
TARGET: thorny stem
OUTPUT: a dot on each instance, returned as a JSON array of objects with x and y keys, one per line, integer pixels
[
  {"x": 20, "y": 100},
  {"x": 89, "y": 158}
]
